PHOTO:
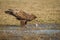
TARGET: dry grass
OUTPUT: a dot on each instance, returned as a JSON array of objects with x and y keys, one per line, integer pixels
[
  {"x": 47, "y": 11},
  {"x": 11, "y": 36}
]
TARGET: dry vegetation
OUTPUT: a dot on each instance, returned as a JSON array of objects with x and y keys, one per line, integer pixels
[
  {"x": 47, "y": 11},
  {"x": 11, "y": 36}
]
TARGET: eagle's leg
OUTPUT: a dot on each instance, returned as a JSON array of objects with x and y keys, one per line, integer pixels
[{"x": 23, "y": 22}]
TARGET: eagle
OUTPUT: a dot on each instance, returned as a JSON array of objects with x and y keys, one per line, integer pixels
[{"x": 21, "y": 15}]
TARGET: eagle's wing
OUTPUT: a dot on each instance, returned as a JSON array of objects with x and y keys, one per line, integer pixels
[
  {"x": 23, "y": 22},
  {"x": 22, "y": 15}
]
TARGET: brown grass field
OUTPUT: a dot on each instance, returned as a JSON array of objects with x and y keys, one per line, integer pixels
[
  {"x": 47, "y": 11},
  {"x": 11, "y": 35}
]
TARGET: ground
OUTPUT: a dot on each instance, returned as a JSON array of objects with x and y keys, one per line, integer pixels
[{"x": 47, "y": 32}]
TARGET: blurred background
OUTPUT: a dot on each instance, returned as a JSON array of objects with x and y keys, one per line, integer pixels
[
  {"x": 48, "y": 20},
  {"x": 47, "y": 11}
]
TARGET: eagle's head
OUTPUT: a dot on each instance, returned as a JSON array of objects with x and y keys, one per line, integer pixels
[{"x": 9, "y": 11}]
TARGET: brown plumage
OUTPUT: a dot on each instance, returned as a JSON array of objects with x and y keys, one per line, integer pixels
[{"x": 21, "y": 15}]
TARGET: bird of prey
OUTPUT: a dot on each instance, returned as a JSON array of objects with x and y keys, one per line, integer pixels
[{"x": 21, "y": 15}]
